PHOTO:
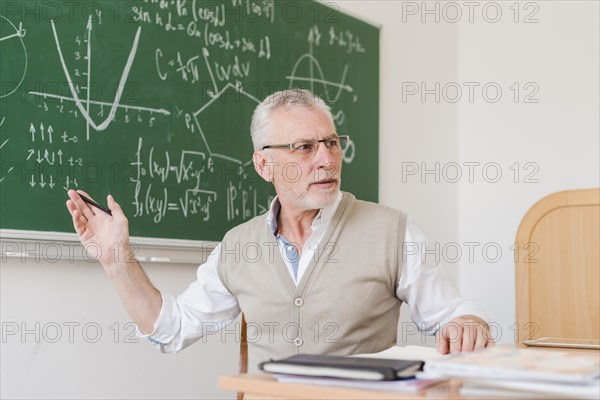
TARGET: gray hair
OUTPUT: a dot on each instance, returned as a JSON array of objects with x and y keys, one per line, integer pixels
[{"x": 291, "y": 98}]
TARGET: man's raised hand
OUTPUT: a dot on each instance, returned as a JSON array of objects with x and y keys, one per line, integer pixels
[{"x": 105, "y": 237}]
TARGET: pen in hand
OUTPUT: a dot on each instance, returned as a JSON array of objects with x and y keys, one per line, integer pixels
[{"x": 92, "y": 202}]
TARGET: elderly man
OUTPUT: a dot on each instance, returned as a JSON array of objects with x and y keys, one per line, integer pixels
[{"x": 330, "y": 271}]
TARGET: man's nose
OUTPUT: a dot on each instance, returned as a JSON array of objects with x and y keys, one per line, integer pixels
[
  {"x": 323, "y": 154},
  {"x": 324, "y": 159}
]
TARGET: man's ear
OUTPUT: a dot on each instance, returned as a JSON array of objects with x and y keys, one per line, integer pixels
[{"x": 262, "y": 167}]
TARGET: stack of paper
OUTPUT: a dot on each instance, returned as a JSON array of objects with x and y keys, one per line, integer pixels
[
  {"x": 572, "y": 374},
  {"x": 410, "y": 352},
  {"x": 405, "y": 386}
]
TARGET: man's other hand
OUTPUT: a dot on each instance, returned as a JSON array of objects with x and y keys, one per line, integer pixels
[{"x": 464, "y": 333}]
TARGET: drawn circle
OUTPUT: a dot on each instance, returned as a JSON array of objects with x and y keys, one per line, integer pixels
[
  {"x": 14, "y": 66},
  {"x": 350, "y": 147}
]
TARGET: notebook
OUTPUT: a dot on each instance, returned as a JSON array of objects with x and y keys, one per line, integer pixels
[{"x": 374, "y": 369}]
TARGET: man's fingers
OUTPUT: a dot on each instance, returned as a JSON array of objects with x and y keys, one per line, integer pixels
[
  {"x": 79, "y": 222},
  {"x": 442, "y": 344},
  {"x": 85, "y": 194},
  {"x": 114, "y": 207},
  {"x": 450, "y": 339},
  {"x": 480, "y": 339},
  {"x": 489, "y": 341},
  {"x": 454, "y": 333},
  {"x": 468, "y": 336},
  {"x": 71, "y": 206},
  {"x": 94, "y": 209},
  {"x": 81, "y": 205}
]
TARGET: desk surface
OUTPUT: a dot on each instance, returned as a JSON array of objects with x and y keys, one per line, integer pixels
[{"x": 263, "y": 386}]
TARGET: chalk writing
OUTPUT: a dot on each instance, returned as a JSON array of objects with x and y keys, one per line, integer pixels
[
  {"x": 151, "y": 101},
  {"x": 14, "y": 65}
]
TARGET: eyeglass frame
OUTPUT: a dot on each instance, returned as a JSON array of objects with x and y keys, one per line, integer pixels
[{"x": 312, "y": 141}]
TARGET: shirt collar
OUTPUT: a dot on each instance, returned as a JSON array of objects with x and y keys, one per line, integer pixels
[{"x": 323, "y": 217}]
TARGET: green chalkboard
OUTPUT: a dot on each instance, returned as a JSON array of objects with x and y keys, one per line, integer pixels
[{"x": 151, "y": 101}]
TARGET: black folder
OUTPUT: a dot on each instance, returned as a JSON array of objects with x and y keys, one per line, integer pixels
[{"x": 374, "y": 369}]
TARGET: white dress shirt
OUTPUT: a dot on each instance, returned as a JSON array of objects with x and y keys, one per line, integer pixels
[{"x": 207, "y": 306}]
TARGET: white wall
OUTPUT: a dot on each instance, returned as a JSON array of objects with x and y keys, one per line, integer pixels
[
  {"x": 556, "y": 57},
  {"x": 560, "y": 134},
  {"x": 99, "y": 358}
]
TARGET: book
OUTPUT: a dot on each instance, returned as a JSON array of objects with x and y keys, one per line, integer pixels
[
  {"x": 373, "y": 369},
  {"x": 509, "y": 363}
]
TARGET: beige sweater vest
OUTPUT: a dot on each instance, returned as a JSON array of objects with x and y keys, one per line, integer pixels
[{"x": 345, "y": 302}]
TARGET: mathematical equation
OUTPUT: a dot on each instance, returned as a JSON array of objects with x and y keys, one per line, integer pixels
[{"x": 189, "y": 174}]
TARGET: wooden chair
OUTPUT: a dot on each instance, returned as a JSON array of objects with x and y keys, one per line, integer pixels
[
  {"x": 558, "y": 267},
  {"x": 243, "y": 353}
]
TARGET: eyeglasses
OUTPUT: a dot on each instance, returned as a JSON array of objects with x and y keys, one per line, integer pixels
[{"x": 333, "y": 143}]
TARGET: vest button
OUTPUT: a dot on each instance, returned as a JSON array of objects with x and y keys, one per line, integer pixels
[
  {"x": 298, "y": 342},
  {"x": 298, "y": 301}
]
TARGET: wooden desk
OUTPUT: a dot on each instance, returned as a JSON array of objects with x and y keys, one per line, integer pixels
[{"x": 261, "y": 385}]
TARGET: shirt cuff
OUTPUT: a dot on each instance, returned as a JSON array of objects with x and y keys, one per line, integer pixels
[
  {"x": 163, "y": 327},
  {"x": 466, "y": 308}
]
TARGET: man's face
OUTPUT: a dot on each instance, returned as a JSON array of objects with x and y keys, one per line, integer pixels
[{"x": 303, "y": 181}]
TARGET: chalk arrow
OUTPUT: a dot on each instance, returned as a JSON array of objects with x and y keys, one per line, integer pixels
[
  {"x": 51, "y": 183},
  {"x": 50, "y": 130},
  {"x": 42, "y": 130},
  {"x": 39, "y": 158},
  {"x": 32, "y": 130},
  {"x": 311, "y": 36},
  {"x": 47, "y": 157},
  {"x": 42, "y": 183},
  {"x": 32, "y": 183},
  {"x": 60, "y": 154}
]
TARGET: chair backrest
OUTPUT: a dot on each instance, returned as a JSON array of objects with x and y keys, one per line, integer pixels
[
  {"x": 558, "y": 267},
  {"x": 243, "y": 353}
]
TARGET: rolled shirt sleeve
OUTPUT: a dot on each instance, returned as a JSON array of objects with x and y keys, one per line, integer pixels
[
  {"x": 424, "y": 287},
  {"x": 205, "y": 307}
]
